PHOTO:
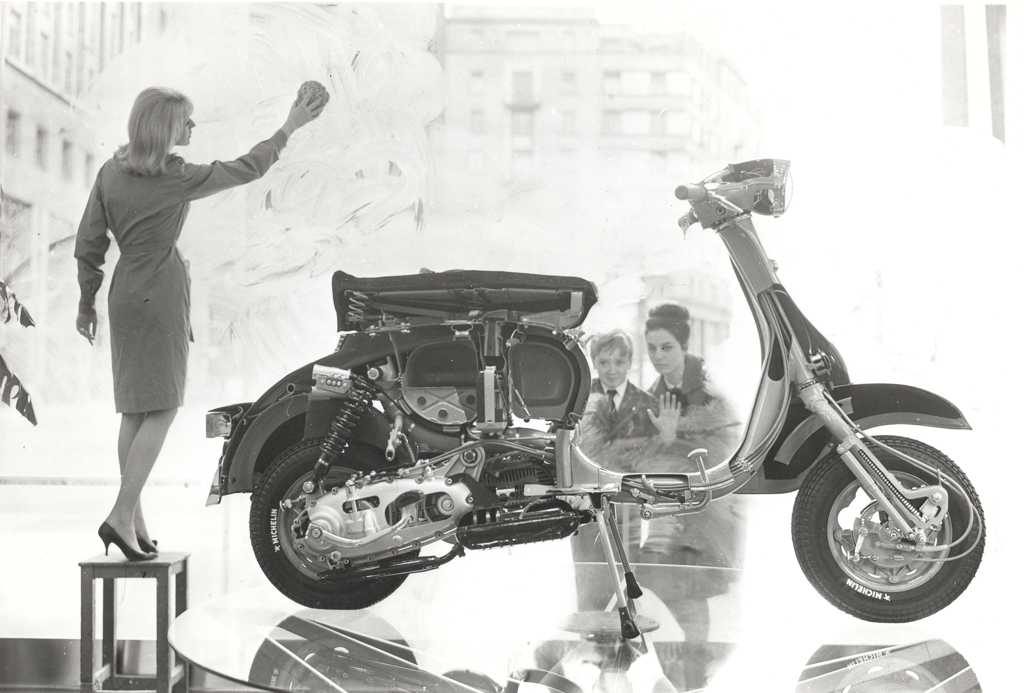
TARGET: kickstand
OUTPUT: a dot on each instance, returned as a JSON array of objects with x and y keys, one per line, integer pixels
[
  {"x": 627, "y": 609},
  {"x": 633, "y": 590}
]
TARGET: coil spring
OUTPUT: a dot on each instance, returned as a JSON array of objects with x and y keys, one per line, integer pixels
[
  {"x": 356, "y": 309},
  {"x": 343, "y": 426},
  {"x": 903, "y": 500}
]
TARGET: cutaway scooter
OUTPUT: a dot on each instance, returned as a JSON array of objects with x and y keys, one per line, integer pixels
[{"x": 407, "y": 436}]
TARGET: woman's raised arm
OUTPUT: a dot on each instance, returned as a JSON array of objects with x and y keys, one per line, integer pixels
[{"x": 202, "y": 180}]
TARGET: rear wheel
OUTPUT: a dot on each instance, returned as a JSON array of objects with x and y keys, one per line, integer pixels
[
  {"x": 293, "y": 570},
  {"x": 837, "y": 530}
]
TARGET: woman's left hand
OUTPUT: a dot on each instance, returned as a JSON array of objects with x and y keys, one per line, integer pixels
[
  {"x": 668, "y": 417},
  {"x": 86, "y": 324}
]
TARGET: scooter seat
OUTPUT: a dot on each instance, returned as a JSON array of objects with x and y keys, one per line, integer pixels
[{"x": 561, "y": 302}]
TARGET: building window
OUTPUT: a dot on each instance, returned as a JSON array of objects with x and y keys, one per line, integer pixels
[
  {"x": 476, "y": 160},
  {"x": 568, "y": 122},
  {"x": 476, "y": 121},
  {"x": 658, "y": 122},
  {"x": 30, "y": 32},
  {"x": 87, "y": 173},
  {"x": 677, "y": 123},
  {"x": 612, "y": 82},
  {"x": 69, "y": 21},
  {"x": 569, "y": 82},
  {"x": 12, "y": 138},
  {"x": 611, "y": 122},
  {"x": 136, "y": 34},
  {"x": 697, "y": 133},
  {"x": 522, "y": 124},
  {"x": 659, "y": 162},
  {"x": 677, "y": 83},
  {"x": 659, "y": 83},
  {"x": 119, "y": 19},
  {"x": 14, "y": 32},
  {"x": 476, "y": 82},
  {"x": 66, "y": 165},
  {"x": 58, "y": 43},
  {"x": 636, "y": 122},
  {"x": 522, "y": 164},
  {"x": 69, "y": 67},
  {"x": 634, "y": 82},
  {"x": 44, "y": 57},
  {"x": 522, "y": 87},
  {"x": 42, "y": 147}
]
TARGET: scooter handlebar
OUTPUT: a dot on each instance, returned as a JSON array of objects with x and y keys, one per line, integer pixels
[{"x": 694, "y": 193}]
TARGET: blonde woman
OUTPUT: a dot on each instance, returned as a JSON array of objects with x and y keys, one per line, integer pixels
[{"x": 142, "y": 195}]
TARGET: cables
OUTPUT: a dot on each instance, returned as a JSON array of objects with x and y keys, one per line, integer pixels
[{"x": 974, "y": 511}]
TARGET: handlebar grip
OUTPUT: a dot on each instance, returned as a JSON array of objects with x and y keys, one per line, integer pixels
[{"x": 691, "y": 192}]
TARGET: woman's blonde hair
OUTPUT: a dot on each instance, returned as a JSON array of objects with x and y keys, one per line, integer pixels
[{"x": 154, "y": 126}]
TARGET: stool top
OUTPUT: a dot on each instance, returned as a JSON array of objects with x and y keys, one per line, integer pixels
[{"x": 163, "y": 560}]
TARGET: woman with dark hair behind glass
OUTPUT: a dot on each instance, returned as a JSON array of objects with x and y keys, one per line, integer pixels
[
  {"x": 703, "y": 549},
  {"x": 702, "y": 419}
]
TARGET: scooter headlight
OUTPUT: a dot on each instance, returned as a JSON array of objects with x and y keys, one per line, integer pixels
[{"x": 775, "y": 197}]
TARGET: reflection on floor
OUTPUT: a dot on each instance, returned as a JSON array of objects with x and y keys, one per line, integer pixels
[
  {"x": 537, "y": 615},
  {"x": 931, "y": 666},
  {"x": 307, "y": 649}
]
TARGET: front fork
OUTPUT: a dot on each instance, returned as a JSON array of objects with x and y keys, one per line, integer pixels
[{"x": 877, "y": 481}]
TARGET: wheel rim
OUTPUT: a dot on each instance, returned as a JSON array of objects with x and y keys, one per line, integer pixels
[
  {"x": 305, "y": 562},
  {"x": 881, "y": 570}
]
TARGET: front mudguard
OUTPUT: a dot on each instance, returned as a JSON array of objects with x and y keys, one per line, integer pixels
[{"x": 804, "y": 440}]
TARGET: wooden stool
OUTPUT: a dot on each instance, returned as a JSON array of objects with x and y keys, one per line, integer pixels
[{"x": 170, "y": 675}]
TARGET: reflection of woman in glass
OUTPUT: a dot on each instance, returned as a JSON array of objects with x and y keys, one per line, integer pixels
[{"x": 142, "y": 196}]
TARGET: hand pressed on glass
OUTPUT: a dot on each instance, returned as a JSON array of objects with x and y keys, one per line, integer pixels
[{"x": 669, "y": 412}]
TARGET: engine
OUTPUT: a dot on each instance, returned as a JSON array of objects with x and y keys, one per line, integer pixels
[{"x": 450, "y": 401}]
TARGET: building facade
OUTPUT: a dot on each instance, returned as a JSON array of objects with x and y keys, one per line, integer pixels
[
  {"x": 50, "y": 53},
  {"x": 598, "y": 118},
  {"x": 536, "y": 90}
]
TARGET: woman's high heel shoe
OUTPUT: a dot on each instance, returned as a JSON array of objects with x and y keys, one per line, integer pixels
[
  {"x": 109, "y": 536},
  {"x": 147, "y": 545}
]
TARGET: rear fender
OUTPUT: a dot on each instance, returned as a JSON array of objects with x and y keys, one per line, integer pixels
[
  {"x": 285, "y": 423},
  {"x": 804, "y": 440}
]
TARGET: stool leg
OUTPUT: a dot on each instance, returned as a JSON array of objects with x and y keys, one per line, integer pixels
[
  {"x": 109, "y": 650},
  {"x": 85, "y": 676},
  {"x": 180, "y": 605},
  {"x": 181, "y": 590},
  {"x": 163, "y": 624}
]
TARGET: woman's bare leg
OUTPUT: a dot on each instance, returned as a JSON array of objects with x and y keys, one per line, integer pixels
[
  {"x": 130, "y": 424},
  {"x": 139, "y": 458}
]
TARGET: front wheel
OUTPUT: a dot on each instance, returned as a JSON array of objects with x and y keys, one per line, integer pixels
[
  {"x": 276, "y": 531},
  {"x": 839, "y": 536}
]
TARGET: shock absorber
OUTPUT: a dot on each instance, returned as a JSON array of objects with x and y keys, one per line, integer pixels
[{"x": 343, "y": 426}]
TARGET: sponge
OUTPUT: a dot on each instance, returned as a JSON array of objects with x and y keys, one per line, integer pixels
[{"x": 314, "y": 88}]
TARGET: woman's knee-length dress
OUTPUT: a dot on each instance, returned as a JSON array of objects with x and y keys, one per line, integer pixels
[{"x": 149, "y": 295}]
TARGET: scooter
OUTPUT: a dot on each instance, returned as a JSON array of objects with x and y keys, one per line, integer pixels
[{"x": 413, "y": 433}]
